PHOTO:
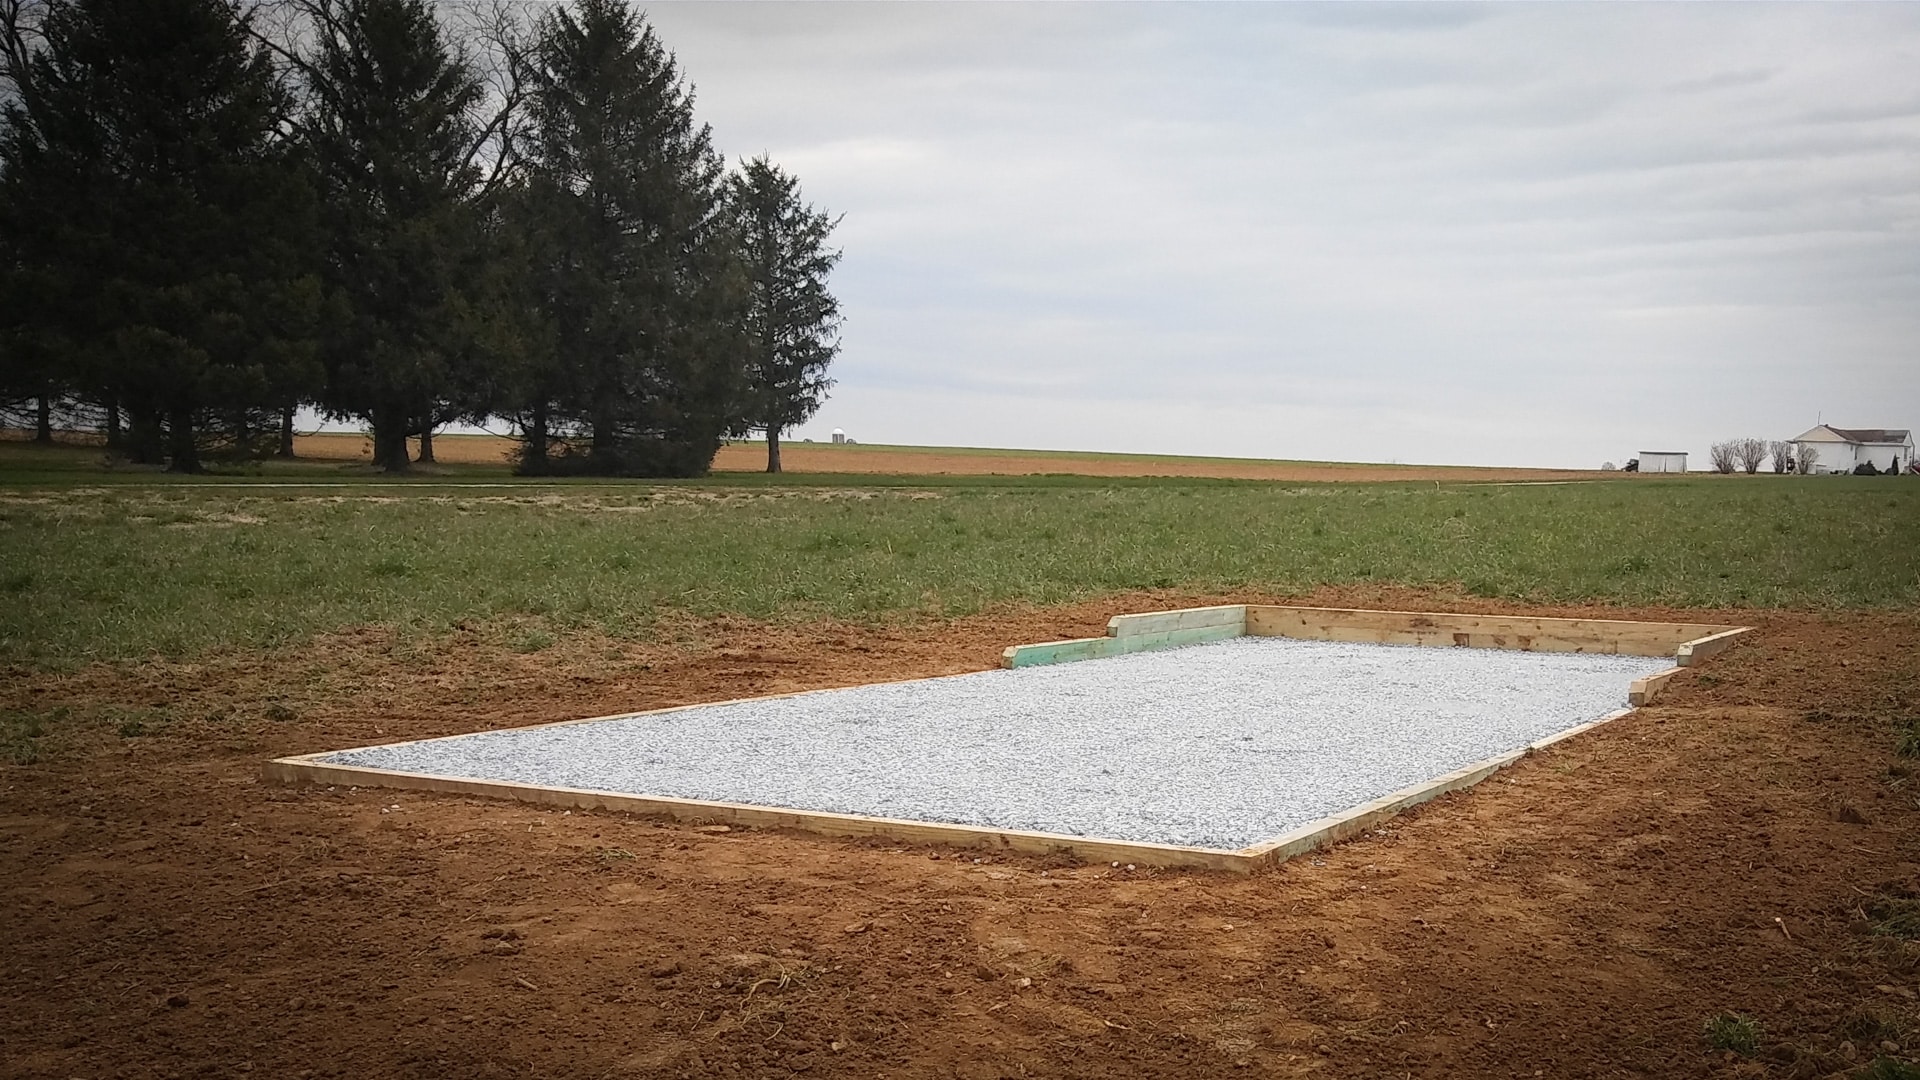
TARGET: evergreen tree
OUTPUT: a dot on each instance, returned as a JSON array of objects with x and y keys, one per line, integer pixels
[
  {"x": 152, "y": 213},
  {"x": 31, "y": 376},
  {"x": 791, "y": 317},
  {"x": 393, "y": 134},
  {"x": 635, "y": 275}
]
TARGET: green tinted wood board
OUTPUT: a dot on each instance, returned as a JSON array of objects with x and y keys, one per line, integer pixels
[
  {"x": 1158, "y": 622},
  {"x": 1060, "y": 652}
]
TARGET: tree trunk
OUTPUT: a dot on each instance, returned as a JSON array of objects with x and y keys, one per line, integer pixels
[
  {"x": 390, "y": 440},
  {"x": 145, "y": 437},
  {"x": 183, "y": 454},
  {"x": 426, "y": 446},
  {"x": 114, "y": 436},
  {"x": 602, "y": 452},
  {"x": 43, "y": 420},
  {"x": 773, "y": 450},
  {"x": 533, "y": 456},
  {"x": 286, "y": 432}
]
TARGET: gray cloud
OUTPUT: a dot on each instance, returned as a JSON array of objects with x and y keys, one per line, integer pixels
[{"x": 1501, "y": 234}]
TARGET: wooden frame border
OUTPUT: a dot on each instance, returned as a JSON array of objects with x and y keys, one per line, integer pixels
[
  {"x": 1688, "y": 643},
  {"x": 1168, "y": 629}
]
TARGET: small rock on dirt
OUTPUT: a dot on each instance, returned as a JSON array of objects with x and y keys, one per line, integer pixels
[
  {"x": 665, "y": 971},
  {"x": 1851, "y": 815},
  {"x": 713, "y": 828},
  {"x": 178, "y": 1001}
]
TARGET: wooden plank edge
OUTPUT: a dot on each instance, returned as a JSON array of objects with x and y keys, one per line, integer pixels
[
  {"x": 1099, "y": 648},
  {"x": 1441, "y": 628},
  {"x": 1061, "y": 652},
  {"x": 1577, "y": 729},
  {"x": 306, "y": 770},
  {"x": 1151, "y": 622},
  {"x": 1614, "y": 624},
  {"x": 1692, "y": 652},
  {"x": 1645, "y": 690},
  {"x": 635, "y": 714},
  {"x": 1337, "y": 827},
  {"x": 1347, "y": 823}
]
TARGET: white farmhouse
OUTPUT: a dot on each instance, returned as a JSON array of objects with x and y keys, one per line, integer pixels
[
  {"x": 1839, "y": 450},
  {"x": 1663, "y": 461}
]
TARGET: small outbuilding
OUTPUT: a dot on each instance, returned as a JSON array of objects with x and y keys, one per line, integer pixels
[
  {"x": 1663, "y": 461},
  {"x": 1841, "y": 450}
]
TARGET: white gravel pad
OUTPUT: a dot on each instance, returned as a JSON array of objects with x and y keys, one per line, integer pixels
[{"x": 1220, "y": 745}]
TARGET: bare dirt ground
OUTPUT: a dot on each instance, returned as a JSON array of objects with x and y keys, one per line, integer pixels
[
  {"x": 932, "y": 461},
  {"x": 165, "y": 913}
]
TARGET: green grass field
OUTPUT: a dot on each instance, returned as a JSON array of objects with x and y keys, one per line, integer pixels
[{"x": 111, "y": 571}]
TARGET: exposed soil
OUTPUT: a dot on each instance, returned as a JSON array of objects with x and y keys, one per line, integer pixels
[
  {"x": 931, "y": 461},
  {"x": 165, "y": 913}
]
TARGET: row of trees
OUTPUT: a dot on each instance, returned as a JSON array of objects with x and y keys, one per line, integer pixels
[
  {"x": 1749, "y": 454},
  {"x": 213, "y": 215}
]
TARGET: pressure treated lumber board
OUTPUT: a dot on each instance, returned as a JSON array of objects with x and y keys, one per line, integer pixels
[
  {"x": 1644, "y": 690},
  {"x": 1353, "y": 822},
  {"x": 305, "y": 770},
  {"x": 1358, "y": 819},
  {"x": 1695, "y": 651},
  {"x": 1475, "y": 631},
  {"x": 1155, "y": 622},
  {"x": 1060, "y": 652}
]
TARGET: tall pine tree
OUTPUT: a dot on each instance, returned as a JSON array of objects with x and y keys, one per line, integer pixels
[
  {"x": 792, "y": 320},
  {"x": 152, "y": 212},
  {"x": 393, "y": 132},
  {"x": 636, "y": 277}
]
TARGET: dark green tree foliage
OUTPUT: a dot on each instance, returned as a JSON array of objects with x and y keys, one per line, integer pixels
[
  {"x": 638, "y": 370},
  {"x": 792, "y": 319},
  {"x": 152, "y": 214},
  {"x": 36, "y": 368},
  {"x": 393, "y": 134}
]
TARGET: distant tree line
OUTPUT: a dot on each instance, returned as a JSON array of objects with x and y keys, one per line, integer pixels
[{"x": 212, "y": 215}]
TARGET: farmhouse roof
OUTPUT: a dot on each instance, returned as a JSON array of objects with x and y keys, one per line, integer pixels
[
  {"x": 1871, "y": 435},
  {"x": 1893, "y": 436},
  {"x": 1663, "y": 453}
]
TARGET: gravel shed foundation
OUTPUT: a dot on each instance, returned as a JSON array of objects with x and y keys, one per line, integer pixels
[{"x": 1224, "y": 737}]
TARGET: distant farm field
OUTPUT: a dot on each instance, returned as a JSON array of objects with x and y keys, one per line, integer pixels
[
  {"x": 860, "y": 458},
  {"x": 123, "y": 571}
]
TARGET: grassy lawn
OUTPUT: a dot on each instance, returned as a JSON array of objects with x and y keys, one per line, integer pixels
[{"x": 116, "y": 571}]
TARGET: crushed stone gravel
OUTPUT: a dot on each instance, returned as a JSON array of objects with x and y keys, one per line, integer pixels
[{"x": 1220, "y": 745}]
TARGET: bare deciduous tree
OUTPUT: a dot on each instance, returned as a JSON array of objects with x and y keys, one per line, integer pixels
[
  {"x": 1782, "y": 456},
  {"x": 1805, "y": 457},
  {"x": 1725, "y": 456},
  {"x": 1751, "y": 453}
]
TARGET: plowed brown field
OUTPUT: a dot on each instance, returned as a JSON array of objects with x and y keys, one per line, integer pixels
[
  {"x": 1581, "y": 915},
  {"x": 938, "y": 461}
]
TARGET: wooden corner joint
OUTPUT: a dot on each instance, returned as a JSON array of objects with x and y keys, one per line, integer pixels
[{"x": 1699, "y": 649}]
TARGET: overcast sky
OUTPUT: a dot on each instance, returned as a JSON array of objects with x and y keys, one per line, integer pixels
[{"x": 1510, "y": 234}]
